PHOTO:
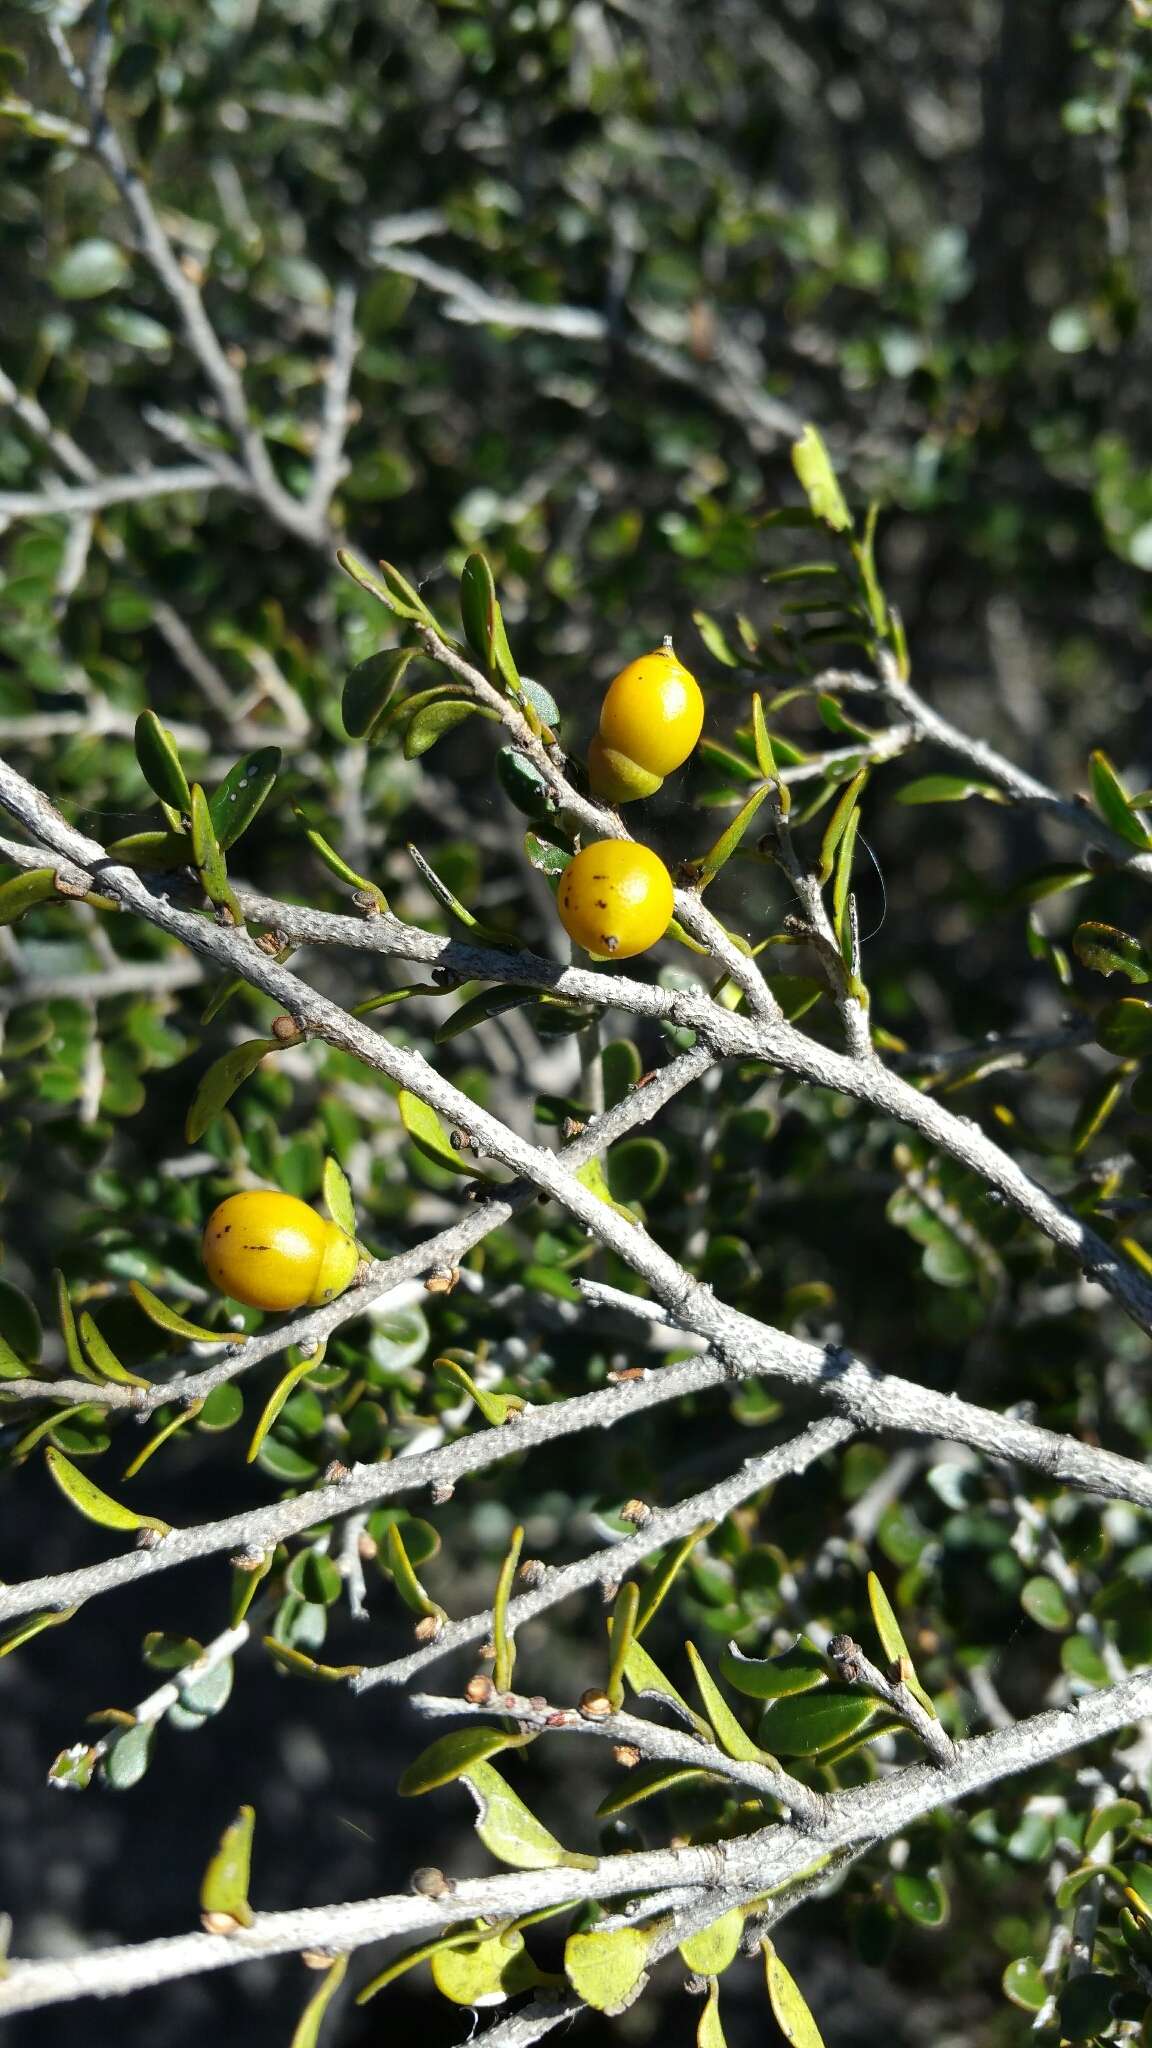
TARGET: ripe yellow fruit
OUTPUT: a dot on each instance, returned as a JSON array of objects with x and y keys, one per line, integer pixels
[
  {"x": 615, "y": 898},
  {"x": 650, "y": 720},
  {"x": 271, "y": 1251}
]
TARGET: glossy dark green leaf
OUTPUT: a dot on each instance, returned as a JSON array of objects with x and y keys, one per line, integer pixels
[
  {"x": 369, "y": 689},
  {"x": 1085, "y": 2006},
  {"x": 636, "y": 1169},
  {"x": 479, "y": 1009},
  {"x": 387, "y": 585},
  {"x": 483, "y": 622},
  {"x": 453, "y": 1756},
  {"x": 20, "y": 1323},
  {"x": 523, "y": 784},
  {"x": 1112, "y": 802},
  {"x": 810, "y": 1722},
  {"x": 160, "y": 764},
  {"x": 209, "y": 857},
  {"x": 245, "y": 788},
  {"x": 798, "y": 1670},
  {"x": 1125, "y": 1027},
  {"x": 217, "y": 1087},
  {"x": 436, "y": 720}
]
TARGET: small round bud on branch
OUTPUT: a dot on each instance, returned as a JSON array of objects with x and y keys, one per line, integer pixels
[
  {"x": 430, "y": 1883},
  {"x": 479, "y": 1690},
  {"x": 595, "y": 1705},
  {"x": 637, "y": 1512}
]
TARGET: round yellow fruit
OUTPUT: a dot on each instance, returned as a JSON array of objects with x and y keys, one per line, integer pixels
[
  {"x": 271, "y": 1251},
  {"x": 615, "y": 898},
  {"x": 653, "y": 713}
]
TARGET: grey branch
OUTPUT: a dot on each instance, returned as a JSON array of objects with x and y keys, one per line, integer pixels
[
  {"x": 650, "y": 1738},
  {"x": 615, "y": 1561},
  {"x": 71, "y": 499},
  {"x": 769, "y": 1858}
]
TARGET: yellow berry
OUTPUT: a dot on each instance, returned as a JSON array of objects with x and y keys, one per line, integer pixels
[
  {"x": 653, "y": 712},
  {"x": 615, "y": 778},
  {"x": 615, "y": 898},
  {"x": 272, "y": 1251}
]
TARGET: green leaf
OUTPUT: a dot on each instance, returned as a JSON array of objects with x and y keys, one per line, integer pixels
[
  {"x": 1023, "y": 1984},
  {"x": 369, "y": 689},
  {"x": 714, "y": 640},
  {"x": 429, "y": 1136},
  {"x": 893, "y": 1644},
  {"x": 813, "y": 466},
  {"x": 1113, "y": 802},
  {"x": 444, "y": 895},
  {"x": 244, "y": 790},
  {"x": 224, "y": 1888},
  {"x": 789, "y": 2006},
  {"x": 177, "y": 1325},
  {"x": 160, "y": 764},
  {"x": 93, "y": 1502},
  {"x": 216, "y": 1088},
  {"x": 762, "y": 740},
  {"x": 479, "y": 1009},
  {"x": 66, "y": 1316},
  {"x": 277, "y": 1401},
  {"x": 104, "y": 1358},
  {"x": 921, "y": 1897},
  {"x": 729, "y": 1734},
  {"x": 842, "y": 879},
  {"x": 454, "y": 1756},
  {"x": 838, "y": 824},
  {"x": 459, "y": 1937},
  {"x": 89, "y": 269},
  {"x": 389, "y": 587},
  {"x": 20, "y": 1323},
  {"x": 182, "y": 1418},
  {"x": 621, "y": 1636},
  {"x": 797, "y": 1670},
  {"x": 338, "y": 1196},
  {"x": 502, "y": 1636},
  {"x": 710, "y": 1952},
  {"x": 1043, "y": 1601},
  {"x": 523, "y": 783},
  {"x": 608, "y": 1969},
  {"x": 337, "y": 865},
  {"x": 645, "y": 1782},
  {"x": 29, "y": 1625},
  {"x": 724, "y": 847},
  {"x": 1125, "y": 1027},
  {"x": 510, "y": 1830},
  {"x": 483, "y": 622},
  {"x": 659, "y": 1584},
  {"x": 948, "y": 789},
  {"x": 648, "y": 1680},
  {"x": 306, "y": 2032},
  {"x": 404, "y": 1577},
  {"x": 1113, "y": 1819},
  {"x": 1085, "y": 2006},
  {"x": 127, "y": 1759},
  {"x": 434, "y": 720},
  {"x": 23, "y": 892},
  {"x": 811, "y": 1722},
  {"x": 298, "y": 1665},
  {"x": 495, "y": 1408},
  {"x": 710, "y": 2033},
  {"x": 636, "y": 1169},
  {"x": 485, "y": 1972},
  {"x": 1110, "y": 951},
  {"x": 1096, "y": 1109},
  {"x": 209, "y": 858}
]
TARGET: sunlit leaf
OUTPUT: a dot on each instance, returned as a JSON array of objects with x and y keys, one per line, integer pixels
[{"x": 93, "y": 1503}]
